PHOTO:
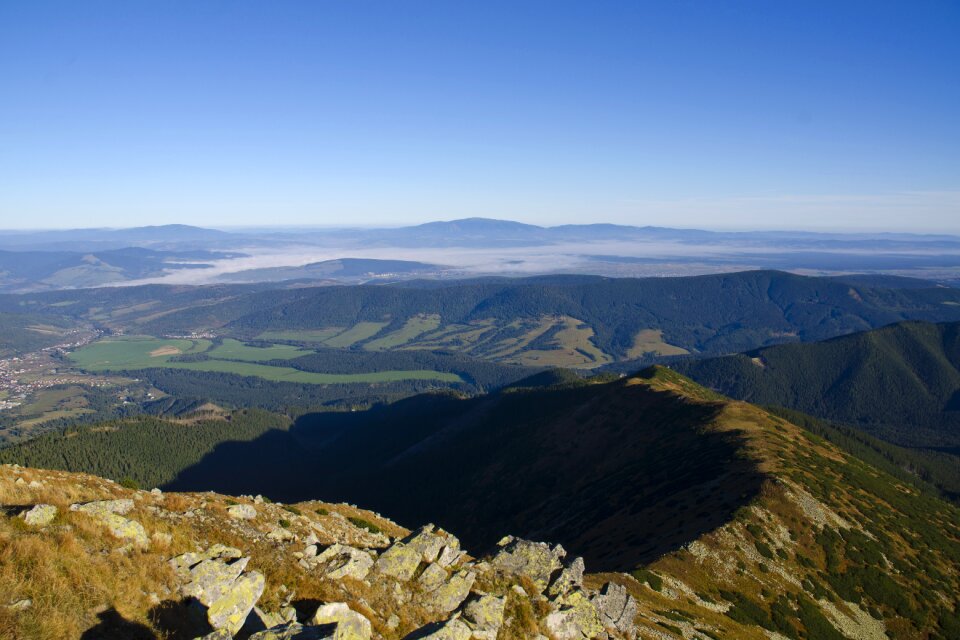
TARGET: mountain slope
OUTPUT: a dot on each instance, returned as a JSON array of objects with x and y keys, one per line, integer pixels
[
  {"x": 735, "y": 522},
  {"x": 900, "y": 382}
]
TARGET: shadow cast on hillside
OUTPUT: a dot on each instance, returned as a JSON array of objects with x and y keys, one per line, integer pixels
[
  {"x": 113, "y": 626},
  {"x": 617, "y": 473}
]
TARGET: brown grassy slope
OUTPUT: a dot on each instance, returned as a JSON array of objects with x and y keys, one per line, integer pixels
[
  {"x": 75, "y": 573},
  {"x": 829, "y": 546}
]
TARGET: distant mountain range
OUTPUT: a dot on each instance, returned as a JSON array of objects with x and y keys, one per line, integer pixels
[
  {"x": 46, "y": 270},
  {"x": 459, "y": 248}
]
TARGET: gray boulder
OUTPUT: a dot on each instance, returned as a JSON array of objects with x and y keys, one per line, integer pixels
[
  {"x": 452, "y": 593},
  {"x": 400, "y": 561},
  {"x": 339, "y": 561},
  {"x": 536, "y": 560},
  {"x": 484, "y": 614},
  {"x": 575, "y": 619},
  {"x": 242, "y": 512},
  {"x": 453, "y": 629},
  {"x": 231, "y": 610},
  {"x": 617, "y": 608},
  {"x": 99, "y": 507},
  {"x": 296, "y": 631},
  {"x": 350, "y": 625},
  {"x": 571, "y": 577},
  {"x": 40, "y": 515}
]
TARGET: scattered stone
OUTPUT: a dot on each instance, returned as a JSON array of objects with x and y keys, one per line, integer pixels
[
  {"x": 350, "y": 624},
  {"x": 35, "y": 485},
  {"x": 219, "y": 634},
  {"x": 156, "y": 492},
  {"x": 40, "y": 515},
  {"x": 242, "y": 512},
  {"x": 20, "y": 605},
  {"x": 485, "y": 615}
]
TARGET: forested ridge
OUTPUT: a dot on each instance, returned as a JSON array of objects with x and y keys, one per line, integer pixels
[
  {"x": 715, "y": 313},
  {"x": 148, "y": 450},
  {"x": 900, "y": 382}
]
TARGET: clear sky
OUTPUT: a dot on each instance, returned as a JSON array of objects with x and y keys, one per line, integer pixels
[{"x": 717, "y": 114}]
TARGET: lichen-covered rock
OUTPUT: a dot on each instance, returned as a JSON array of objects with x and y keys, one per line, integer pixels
[
  {"x": 571, "y": 577},
  {"x": 339, "y": 561},
  {"x": 350, "y": 624},
  {"x": 219, "y": 634},
  {"x": 125, "y": 529},
  {"x": 576, "y": 619},
  {"x": 452, "y": 593},
  {"x": 231, "y": 610},
  {"x": 484, "y": 614},
  {"x": 400, "y": 561},
  {"x": 280, "y": 534},
  {"x": 101, "y": 507},
  {"x": 242, "y": 512},
  {"x": 213, "y": 578},
  {"x": 296, "y": 631},
  {"x": 536, "y": 560},
  {"x": 40, "y": 515},
  {"x": 453, "y": 629},
  {"x": 617, "y": 609},
  {"x": 451, "y": 553},
  {"x": 432, "y": 577},
  {"x": 426, "y": 542}
]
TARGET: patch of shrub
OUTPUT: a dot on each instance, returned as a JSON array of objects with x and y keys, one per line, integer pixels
[
  {"x": 364, "y": 524},
  {"x": 650, "y": 578}
]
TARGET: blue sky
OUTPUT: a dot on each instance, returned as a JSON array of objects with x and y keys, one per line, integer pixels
[{"x": 782, "y": 114}]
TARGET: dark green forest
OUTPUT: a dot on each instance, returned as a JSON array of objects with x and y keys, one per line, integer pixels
[
  {"x": 150, "y": 451},
  {"x": 900, "y": 383}
]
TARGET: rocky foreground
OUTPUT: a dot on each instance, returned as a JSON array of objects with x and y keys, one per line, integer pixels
[{"x": 209, "y": 566}]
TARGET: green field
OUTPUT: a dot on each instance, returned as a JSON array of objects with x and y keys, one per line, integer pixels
[
  {"x": 288, "y": 374},
  {"x": 306, "y": 335},
  {"x": 356, "y": 333},
  {"x": 412, "y": 328},
  {"x": 142, "y": 352},
  {"x": 235, "y": 350},
  {"x": 133, "y": 352}
]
